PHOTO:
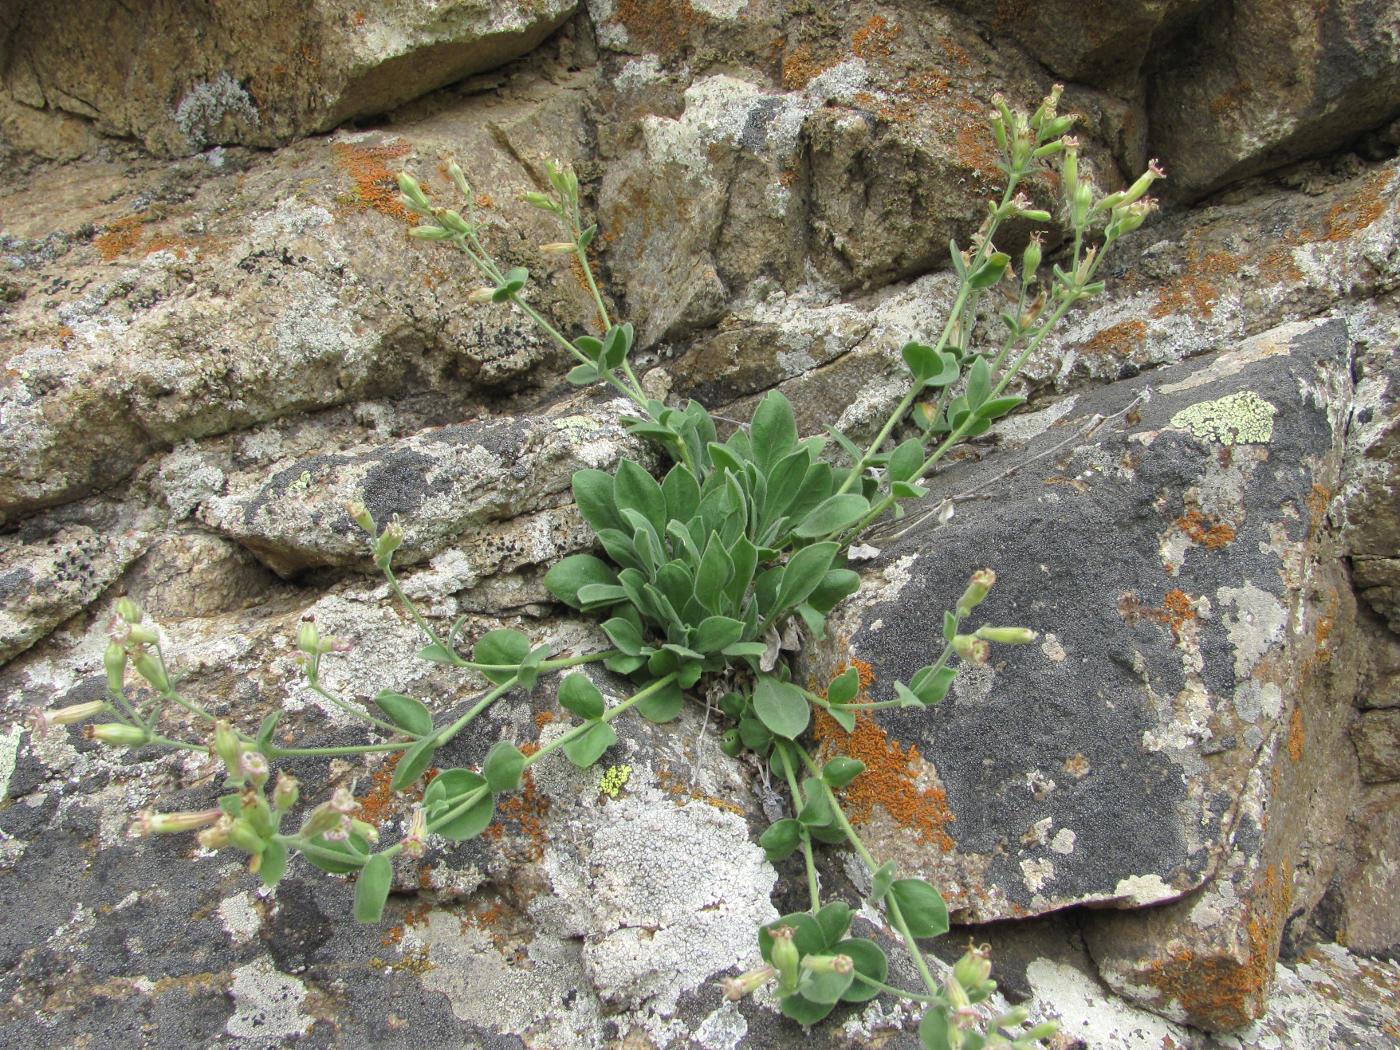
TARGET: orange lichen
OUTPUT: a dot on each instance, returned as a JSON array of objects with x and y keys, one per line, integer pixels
[
  {"x": 664, "y": 27},
  {"x": 799, "y": 67},
  {"x": 890, "y": 781},
  {"x": 1318, "y": 500},
  {"x": 120, "y": 237},
  {"x": 1355, "y": 212},
  {"x": 681, "y": 791},
  {"x": 1198, "y": 527},
  {"x": 544, "y": 718},
  {"x": 1176, "y": 609},
  {"x": 380, "y": 802},
  {"x": 525, "y": 812},
  {"x": 1195, "y": 292},
  {"x": 1295, "y": 735},
  {"x": 1221, "y": 992},
  {"x": 1117, "y": 340},
  {"x": 376, "y": 187},
  {"x": 873, "y": 39}
]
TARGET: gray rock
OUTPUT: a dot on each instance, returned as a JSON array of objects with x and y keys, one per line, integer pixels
[{"x": 1377, "y": 738}]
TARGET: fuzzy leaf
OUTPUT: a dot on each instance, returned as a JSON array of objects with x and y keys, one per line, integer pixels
[
  {"x": 588, "y": 747},
  {"x": 832, "y": 515},
  {"x": 503, "y": 766},
  {"x": 372, "y": 888},
  {"x": 780, "y": 840},
  {"x": 405, "y": 712},
  {"x": 412, "y": 763},
  {"x": 451, "y": 787},
  {"x": 922, "y": 906},
  {"x": 579, "y": 695},
  {"x": 781, "y": 707},
  {"x": 577, "y": 570},
  {"x": 505, "y": 647}
]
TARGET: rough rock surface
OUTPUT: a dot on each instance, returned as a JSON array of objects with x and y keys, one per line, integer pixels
[
  {"x": 181, "y": 78},
  {"x": 1192, "y": 776}
]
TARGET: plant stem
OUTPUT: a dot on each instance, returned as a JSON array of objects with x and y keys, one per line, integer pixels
[
  {"x": 388, "y": 727},
  {"x": 813, "y": 888}
]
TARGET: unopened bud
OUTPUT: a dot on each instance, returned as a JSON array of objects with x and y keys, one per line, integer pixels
[
  {"x": 481, "y": 295},
  {"x": 127, "y": 609},
  {"x": 360, "y": 515},
  {"x": 1044, "y": 1030},
  {"x": 253, "y": 765},
  {"x": 828, "y": 963},
  {"x": 148, "y": 822},
  {"x": 285, "y": 791},
  {"x": 114, "y": 663},
  {"x": 149, "y": 666},
  {"x": 453, "y": 221},
  {"x": 142, "y": 634},
  {"x": 390, "y": 540},
  {"x": 429, "y": 233},
  {"x": 558, "y": 248},
  {"x": 309, "y": 637},
  {"x": 972, "y": 648},
  {"x": 974, "y": 967},
  {"x": 38, "y": 720},
  {"x": 410, "y": 188},
  {"x": 117, "y": 733},
  {"x": 229, "y": 748},
  {"x": 977, "y": 588},
  {"x": 454, "y": 172},
  {"x": 1030, "y": 258},
  {"x": 963, "y": 1012},
  {"x": 365, "y": 830},
  {"x": 1007, "y": 635},
  {"x": 785, "y": 957},
  {"x": 735, "y": 988},
  {"x": 1081, "y": 200},
  {"x": 538, "y": 200},
  {"x": 216, "y": 837},
  {"x": 245, "y": 837},
  {"x": 1013, "y": 1018}
]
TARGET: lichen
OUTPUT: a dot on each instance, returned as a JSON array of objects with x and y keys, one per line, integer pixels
[
  {"x": 1241, "y": 418},
  {"x": 614, "y": 780},
  {"x": 205, "y": 106}
]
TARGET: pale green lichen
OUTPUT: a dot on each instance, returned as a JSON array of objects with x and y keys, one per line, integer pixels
[
  {"x": 1243, "y": 418},
  {"x": 614, "y": 780},
  {"x": 576, "y": 423}
]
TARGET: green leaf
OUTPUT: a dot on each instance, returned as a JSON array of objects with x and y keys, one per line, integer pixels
[
  {"x": 266, "y": 729},
  {"x": 979, "y": 383},
  {"x": 773, "y": 431},
  {"x": 744, "y": 556},
  {"x": 635, "y": 489},
  {"x": 998, "y": 407},
  {"x": 616, "y": 345},
  {"x": 624, "y": 664},
  {"x": 959, "y": 266},
  {"x": 438, "y": 654},
  {"x": 870, "y": 960},
  {"x": 835, "y": 585},
  {"x": 589, "y": 346},
  {"x": 624, "y": 635},
  {"x": 503, "y": 767},
  {"x": 504, "y": 647},
  {"x": 990, "y": 272},
  {"x": 713, "y": 573},
  {"x": 593, "y": 493},
  {"x": 781, "y": 707},
  {"x": 931, "y": 685},
  {"x": 840, "y": 771},
  {"x": 412, "y": 763},
  {"x": 803, "y": 573},
  {"x": 949, "y": 373},
  {"x": 832, "y": 515},
  {"x": 663, "y": 705},
  {"x": 405, "y": 712},
  {"x": 803, "y": 1010},
  {"x": 745, "y": 649},
  {"x": 715, "y": 633},
  {"x": 353, "y": 849},
  {"x": 906, "y": 460},
  {"x": 922, "y": 360},
  {"x": 372, "y": 889},
  {"x": 844, "y": 687},
  {"x": 577, "y": 570},
  {"x": 681, "y": 492},
  {"x": 882, "y": 881},
  {"x": 950, "y": 626},
  {"x": 816, "y": 811},
  {"x": 273, "y": 864},
  {"x": 933, "y": 1030},
  {"x": 588, "y": 746},
  {"x": 579, "y": 695},
  {"x": 834, "y": 920},
  {"x": 826, "y": 987},
  {"x": 513, "y": 282},
  {"x": 922, "y": 906},
  {"x": 780, "y": 840},
  {"x": 451, "y": 787},
  {"x": 755, "y": 735},
  {"x": 845, "y": 719},
  {"x": 583, "y": 375}
]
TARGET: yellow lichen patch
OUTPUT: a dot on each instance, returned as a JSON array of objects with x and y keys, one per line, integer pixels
[
  {"x": 376, "y": 187},
  {"x": 890, "y": 781},
  {"x": 120, "y": 237},
  {"x": 1203, "y": 531},
  {"x": 1295, "y": 735},
  {"x": 1241, "y": 418}
]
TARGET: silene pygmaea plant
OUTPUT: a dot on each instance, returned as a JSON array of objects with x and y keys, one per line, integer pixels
[{"x": 697, "y": 578}]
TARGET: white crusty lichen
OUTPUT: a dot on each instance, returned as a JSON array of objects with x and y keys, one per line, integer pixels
[
  {"x": 1242, "y": 418},
  {"x": 205, "y": 105}
]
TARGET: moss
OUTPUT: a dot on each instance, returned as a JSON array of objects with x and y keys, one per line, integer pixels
[{"x": 1244, "y": 417}]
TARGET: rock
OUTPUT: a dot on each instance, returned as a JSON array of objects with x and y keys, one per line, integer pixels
[
  {"x": 446, "y": 486},
  {"x": 1377, "y": 738},
  {"x": 1173, "y": 679},
  {"x": 1255, "y": 85},
  {"x": 1365, "y": 920},
  {"x": 181, "y": 80}
]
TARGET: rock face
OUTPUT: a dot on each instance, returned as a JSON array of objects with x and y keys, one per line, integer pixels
[{"x": 1186, "y": 792}]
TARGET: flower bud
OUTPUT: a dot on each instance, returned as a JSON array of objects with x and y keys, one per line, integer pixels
[
  {"x": 148, "y": 822},
  {"x": 977, "y": 588},
  {"x": 1069, "y": 167},
  {"x": 538, "y": 200},
  {"x": 117, "y": 733},
  {"x": 454, "y": 172},
  {"x": 971, "y": 648},
  {"x": 975, "y": 966},
  {"x": 1081, "y": 200},
  {"x": 558, "y": 248},
  {"x": 253, "y": 765},
  {"x": 964, "y": 1015},
  {"x": 285, "y": 791},
  {"x": 785, "y": 957},
  {"x": 1007, "y": 635},
  {"x": 216, "y": 837},
  {"x": 390, "y": 540},
  {"x": 38, "y": 720},
  {"x": 114, "y": 663},
  {"x": 480, "y": 296},
  {"x": 1030, "y": 258},
  {"x": 360, "y": 515},
  {"x": 242, "y": 834},
  {"x": 142, "y": 634},
  {"x": 429, "y": 233},
  {"x": 150, "y": 667},
  {"x": 1144, "y": 182},
  {"x": 410, "y": 188},
  {"x": 1013, "y": 1018},
  {"x": 229, "y": 748},
  {"x": 453, "y": 221},
  {"x": 735, "y": 988},
  {"x": 1044, "y": 1030},
  {"x": 828, "y": 963},
  {"x": 127, "y": 609},
  {"x": 413, "y": 842},
  {"x": 309, "y": 637},
  {"x": 365, "y": 830}
]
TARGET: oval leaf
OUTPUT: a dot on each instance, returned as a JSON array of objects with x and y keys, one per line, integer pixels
[
  {"x": 372, "y": 889},
  {"x": 922, "y": 906},
  {"x": 574, "y": 572},
  {"x": 803, "y": 574},
  {"x": 503, "y": 766},
  {"x": 780, "y": 840},
  {"x": 840, "y": 771},
  {"x": 870, "y": 960},
  {"x": 781, "y": 707},
  {"x": 586, "y": 748},
  {"x": 412, "y": 763},
  {"x": 405, "y": 712},
  {"x": 504, "y": 647},
  {"x": 663, "y": 705},
  {"x": 579, "y": 695},
  {"x": 833, "y": 515},
  {"x": 450, "y": 788}
]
